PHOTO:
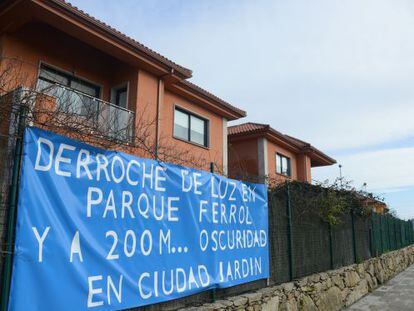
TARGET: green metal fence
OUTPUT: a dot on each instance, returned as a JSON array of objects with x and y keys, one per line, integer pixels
[
  {"x": 390, "y": 233},
  {"x": 301, "y": 243}
]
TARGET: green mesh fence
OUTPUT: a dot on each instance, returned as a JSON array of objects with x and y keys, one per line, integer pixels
[{"x": 310, "y": 244}]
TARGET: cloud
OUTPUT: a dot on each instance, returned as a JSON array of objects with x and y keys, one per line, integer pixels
[
  {"x": 384, "y": 171},
  {"x": 335, "y": 73}
]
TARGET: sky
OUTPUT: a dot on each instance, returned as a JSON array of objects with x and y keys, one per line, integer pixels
[{"x": 336, "y": 73}]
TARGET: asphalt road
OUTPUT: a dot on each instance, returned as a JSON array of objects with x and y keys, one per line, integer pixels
[{"x": 396, "y": 294}]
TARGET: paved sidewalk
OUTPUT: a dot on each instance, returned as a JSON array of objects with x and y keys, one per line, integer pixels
[{"x": 396, "y": 294}]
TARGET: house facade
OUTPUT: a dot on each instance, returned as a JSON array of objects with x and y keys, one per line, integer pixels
[
  {"x": 60, "y": 51},
  {"x": 258, "y": 150}
]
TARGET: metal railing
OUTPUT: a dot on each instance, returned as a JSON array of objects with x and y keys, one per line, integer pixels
[{"x": 117, "y": 122}]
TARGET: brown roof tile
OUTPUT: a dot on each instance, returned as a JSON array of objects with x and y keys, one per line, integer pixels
[
  {"x": 254, "y": 128},
  {"x": 246, "y": 128},
  {"x": 211, "y": 96},
  {"x": 66, "y": 5}
]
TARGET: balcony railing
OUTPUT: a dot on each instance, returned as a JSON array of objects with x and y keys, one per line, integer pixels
[{"x": 116, "y": 122}]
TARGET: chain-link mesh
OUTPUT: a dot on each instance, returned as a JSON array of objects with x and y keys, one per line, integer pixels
[
  {"x": 362, "y": 238},
  {"x": 278, "y": 239},
  {"x": 310, "y": 239},
  {"x": 318, "y": 246},
  {"x": 342, "y": 246}
]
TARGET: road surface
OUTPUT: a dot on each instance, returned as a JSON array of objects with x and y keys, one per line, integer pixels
[{"x": 397, "y": 294}]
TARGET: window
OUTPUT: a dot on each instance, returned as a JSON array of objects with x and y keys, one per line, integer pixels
[
  {"x": 121, "y": 97},
  {"x": 50, "y": 76},
  {"x": 283, "y": 165},
  {"x": 73, "y": 95},
  {"x": 190, "y": 127}
]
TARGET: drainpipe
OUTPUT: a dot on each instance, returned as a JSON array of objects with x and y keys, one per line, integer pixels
[
  {"x": 157, "y": 123},
  {"x": 160, "y": 97}
]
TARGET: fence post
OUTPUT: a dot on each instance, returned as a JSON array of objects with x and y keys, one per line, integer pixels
[
  {"x": 381, "y": 239},
  {"x": 395, "y": 234},
  {"x": 371, "y": 235},
  {"x": 290, "y": 233},
  {"x": 389, "y": 233},
  {"x": 375, "y": 232},
  {"x": 354, "y": 236},
  {"x": 12, "y": 205},
  {"x": 331, "y": 251}
]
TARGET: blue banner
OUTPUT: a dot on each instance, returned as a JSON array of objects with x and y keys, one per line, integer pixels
[{"x": 106, "y": 230}]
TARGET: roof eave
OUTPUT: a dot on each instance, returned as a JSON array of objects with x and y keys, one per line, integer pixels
[
  {"x": 174, "y": 68},
  {"x": 46, "y": 10},
  {"x": 318, "y": 157},
  {"x": 206, "y": 99},
  {"x": 270, "y": 134}
]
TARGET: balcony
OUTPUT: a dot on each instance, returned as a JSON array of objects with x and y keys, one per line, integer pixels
[{"x": 116, "y": 123}]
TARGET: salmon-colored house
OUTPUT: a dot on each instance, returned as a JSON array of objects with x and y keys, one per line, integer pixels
[
  {"x": 60, "y": 48},
  {"x": 258, "y": 150}
]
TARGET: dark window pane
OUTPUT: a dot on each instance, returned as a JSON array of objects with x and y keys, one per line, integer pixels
[
  {"x": 85, "y": 88},
  {"x": 288, "y": 171},
  {"x": 278, "y": 164},
  {"x": 181, "y": 125},
  {"x": 197, "y": 132},
  {"x": 73, "y": 95},
  {"x": 283, "y": 165},
  {"x": 45, "y": 86},
  {"x": 190, "y": 127},
  {"x": 54, "y": 76},
  {"x": 121, "y": 98}
]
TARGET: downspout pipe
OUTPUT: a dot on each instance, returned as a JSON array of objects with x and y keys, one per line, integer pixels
[{"x": 157, "y": 123}]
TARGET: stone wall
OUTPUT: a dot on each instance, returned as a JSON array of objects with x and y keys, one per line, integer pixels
[{"x": 331, "y": 290}]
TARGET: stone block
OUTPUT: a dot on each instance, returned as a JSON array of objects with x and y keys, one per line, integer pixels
[
  {"x": 324, "y": 276},
  {"x": 271, "y": 305},
  {"x": 306, "y": 304},
  {"x": 253, "y": 297},
  {"x": 357, "y": 293},
  {"x": 267, "y": 291},
  {"x": 370, "y": 282},
  {"x": 302, "y": 282},
  {"x": 289, "y": 305},
  {"x": 288, "y": 287},
  {"x": 330, "y": 300},
  {"x": 381, "y": 277},
  {"x": 351, "y": 278},
  {"x": 238, "y": 300},
  {"x": 317, "y": 287},
  {"x": 337, "y": 281},
  {"x": 360, "y": 269},
  {"x": 314, "y": 278},
  {"x": 225, "y": 302}
]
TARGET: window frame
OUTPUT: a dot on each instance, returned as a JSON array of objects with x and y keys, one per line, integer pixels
[
  {"x": 195, "y": 115},
  {"x": 71, "y": 77},
  {"x": 289, "y": 163}
]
